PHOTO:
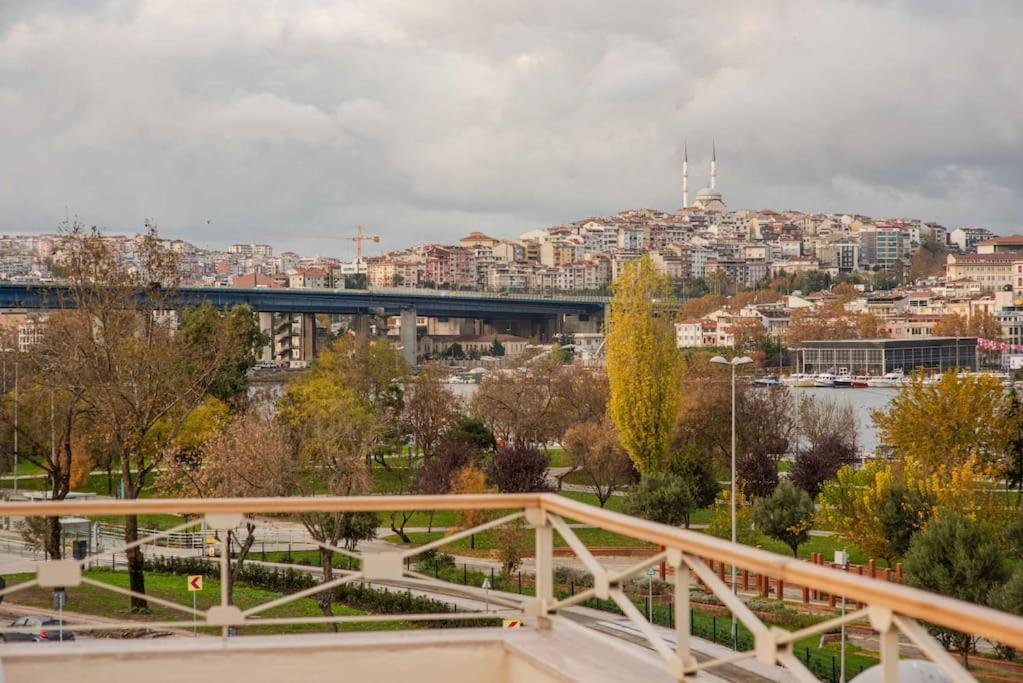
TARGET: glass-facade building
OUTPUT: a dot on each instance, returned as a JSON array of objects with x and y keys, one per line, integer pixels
[{"x": 880, "y": 356}]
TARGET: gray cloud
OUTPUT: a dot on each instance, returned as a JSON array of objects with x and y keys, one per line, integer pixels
[{"x": 425, "y": 120}]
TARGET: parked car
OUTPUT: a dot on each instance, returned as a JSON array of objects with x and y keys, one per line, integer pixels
[{"x": 38, "y": 630}]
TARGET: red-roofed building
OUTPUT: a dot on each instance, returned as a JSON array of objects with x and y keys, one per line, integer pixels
[
  {"x": 252, "y": 280},
  {"x": 478, "y": 239}
]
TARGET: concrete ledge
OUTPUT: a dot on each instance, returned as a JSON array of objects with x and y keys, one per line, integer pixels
[{"x": 446, "y": 656}]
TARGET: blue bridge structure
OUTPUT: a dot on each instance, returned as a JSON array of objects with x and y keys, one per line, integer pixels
[{"x": 539, "y": 314}]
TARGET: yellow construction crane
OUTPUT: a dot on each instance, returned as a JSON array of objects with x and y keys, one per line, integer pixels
[{"x": 359, "y": 237}]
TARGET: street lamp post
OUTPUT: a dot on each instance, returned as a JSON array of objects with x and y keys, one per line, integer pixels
[{"x": 734, "y": 363}]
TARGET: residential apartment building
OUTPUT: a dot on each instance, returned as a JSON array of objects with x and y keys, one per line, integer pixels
[{"x": 989, "y": 271}]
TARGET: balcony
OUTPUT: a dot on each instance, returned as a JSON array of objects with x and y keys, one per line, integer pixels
[{"x": 559, "y": 638}]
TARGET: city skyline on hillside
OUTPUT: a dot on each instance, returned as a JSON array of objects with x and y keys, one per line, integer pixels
[{"x": 502, "y": 119}]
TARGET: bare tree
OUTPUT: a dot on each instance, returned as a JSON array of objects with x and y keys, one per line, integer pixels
[
  {"x": 593, "y": 447},
  {"x": 522, "y": 404},
  {"x": 252, "y": 457},
  {"x": 430, "y": 408},
  {"x": 137, "y": 378}
]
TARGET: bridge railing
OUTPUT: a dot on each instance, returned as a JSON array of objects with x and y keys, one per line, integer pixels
[{"x": 894, "y": 611}]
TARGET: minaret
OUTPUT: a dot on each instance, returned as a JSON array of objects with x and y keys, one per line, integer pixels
[
  {"x": 713, "y": 166},
  {"x": 685, "y": 176}
]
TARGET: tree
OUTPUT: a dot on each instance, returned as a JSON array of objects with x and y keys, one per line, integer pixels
[
  {"x": 122, "y": 357},
  {"x": 663, "y": 497},
  {"x": 497, "y": 348},
  {"x": 519, "y": 468},
  {"x": 243, "y": 338},
  {"x": 829, "y": 442},
  {"x": 643, "y": 367},
  {"x": 819, "y": 462},
  {"x": 436, "y": 474},
  {"x": 695, "y": 468},
  {"x": 960, "y": 558},
  {"x": 981, "y": 324},
  {"x": 749, "y": 334},
  {"x": 594, "y": 448},
  {"x": 928, "y": 261},
  {"x": 336, "y": 428},
  {"x": 469, "y": 480},
  {"x": 251, "y": 456},
  {"x": 50, "y": 430},
  {"x": 785, "y": 515},
  {"x": 948, "y": 421},
  {"x": 870, "y": 326},
  {"x": 1012, "y": 462},
  {"x": 829, "y": 321},
  {"x": 767, "y": 423},
  {"x": 700, "y": 306},
  {"x": 521, "y": 404},
  {"x": 876, "y": 507},
  {"x": 471, "y": 431},
  {"x": 429, "y": 408},
  {"x": 581, "y": 395},
  {"x": 904, "y": 511}
]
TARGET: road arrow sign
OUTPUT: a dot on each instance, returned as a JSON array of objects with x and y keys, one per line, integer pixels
[
  {"x": 486, "y": 584},
  {"x": 195, "y": 583}
]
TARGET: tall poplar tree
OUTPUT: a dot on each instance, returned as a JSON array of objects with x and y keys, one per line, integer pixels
[{"x": 643, "y": 366}]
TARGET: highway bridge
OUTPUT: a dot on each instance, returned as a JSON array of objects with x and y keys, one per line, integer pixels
[
  {"x": 430, "y": 303},
  {"x": 291, "y": 311}
]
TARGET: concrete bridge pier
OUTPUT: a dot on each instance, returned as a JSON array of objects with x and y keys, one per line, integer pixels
[
  {"x": 266, "y": 326},
  {"x": 308, "y": 336},
  {"x": 407, "y": 332},
  {"x": 360, "y": 325}
]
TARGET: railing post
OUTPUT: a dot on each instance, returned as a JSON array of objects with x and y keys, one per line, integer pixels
[
  {"x": 544, "y": 553},
  {"x": 881, "y": 620},
  {"x": 683, "y": 613}
]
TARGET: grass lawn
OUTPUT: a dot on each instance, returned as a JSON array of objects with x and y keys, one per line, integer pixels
[
  {"x": 558, "y": 457},
  {"x": 96, "y": 601},
  {"x": 309, "y": 558},
  {"x": 578, "y": 477},
  {"x": 487, "y": 541},
  {"x": 615, "y": 503}
]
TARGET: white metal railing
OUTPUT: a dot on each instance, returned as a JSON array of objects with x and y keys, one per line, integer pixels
[
  {"x": 892, "y": 610},
  {"x": 276, "y": 536}
]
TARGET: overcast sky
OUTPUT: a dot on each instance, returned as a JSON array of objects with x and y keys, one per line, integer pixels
[{"x": 241, "y": 120}]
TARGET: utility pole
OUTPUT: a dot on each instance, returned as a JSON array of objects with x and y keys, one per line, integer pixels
[{"x": 16, "y": 401}]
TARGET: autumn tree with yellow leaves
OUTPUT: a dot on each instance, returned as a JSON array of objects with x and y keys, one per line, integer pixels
[
  {"x": 947, "y": 421},
  {"x": 880, "y": 507},
  {"x": 643, "y": 366}
]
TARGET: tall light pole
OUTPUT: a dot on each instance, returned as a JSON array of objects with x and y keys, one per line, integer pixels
[{"x": 734, "y": 363}]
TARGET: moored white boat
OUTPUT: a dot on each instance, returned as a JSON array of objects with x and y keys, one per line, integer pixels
[
  {"x": 843, "y": 381},
  {"x": 896, "y": 378},
  {"x": 798, "y": 379},
  {"x": 824, "y": 379}
]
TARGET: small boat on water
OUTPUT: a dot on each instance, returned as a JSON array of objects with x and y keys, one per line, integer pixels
[
  {"x": 798, "y": 379},
  {"x": 769, "y": 381},
  {"x": 843, "y": 380},
  {"x": 824, "y": 379},
  {"x": 896, "y": 378},
  {"x": 860, "y": 381}
]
